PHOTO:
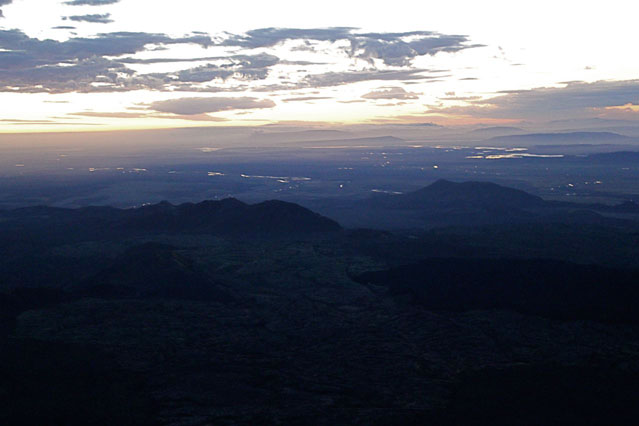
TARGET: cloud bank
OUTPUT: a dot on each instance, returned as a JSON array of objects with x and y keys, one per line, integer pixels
[
  {"x": 107, "y": 62},
  {"x": 197, "y": 106},
  {"x": 4, "y": 3},
  {"x": 574, "y": 100},
  {"x": 390, "y": 93},
  {"x": 94, "y": 18},
  {"x": 90, "y": 2}
]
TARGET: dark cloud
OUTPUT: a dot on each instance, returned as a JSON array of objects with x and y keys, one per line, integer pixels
[
  {"x": 90, "y": 2},
  {"x": 575, "y": 100},
  {"x": 94, "y": 18},
  {"x": 397, "y": 49},
  {"x": 339, "y": 78},
  {"x": 241, "y": 67},
  {"x": 424, "y": 124},
  {"x": 306, "y": 98},
  {"x": 103, "y": 63},
  {"x": 460, "y": 98},
  {"x": 4, "y": 3},
  {"x": 331, "y": 79},
  {"x": 392, "y": 104},
  {"x": 63, "y": 27},
  {"x": 136, "y": 115},
  {"x": 39, "y": 52},
  {"x": 87, "y": 75},
  {"x": 269, "y": 37},
  {"x": 196, "y": 106},
  {"x": 79, "y": 64},
  {"x": 390, "y": 93}
]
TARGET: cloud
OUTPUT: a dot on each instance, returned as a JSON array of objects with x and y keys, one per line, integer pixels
[
  {"x": 105, "y": 62},
  {"x": 242, "y": 67},
  {"x": 136, "y": 115},
  {"x": 460, "y": 98},
  {"x": 94, "y": 18},
  {"x": 37, "y": 52},
  {"x": 79, "y": 64},
  {"x": 390, "y": 93},
  {"x": 574, "y": 100},
  {"x": 306, "y": 98},
  {"x": 47, "y": 122},
  {"x": 195, "y": 106},
  {"x": 4, "y": 3},
  {"x": 333, "y": 78},
  {"x": 338, "y": 78},
  {"x": 90, "y": 2},
  {"x": 109, "y": 114},
  {"x": 397, "y": 49},
  {"x": 192, "y": 117},
  {"x": 87, "y": 75}
]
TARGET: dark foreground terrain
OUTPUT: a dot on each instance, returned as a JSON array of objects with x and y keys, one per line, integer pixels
[{"x": 227, "y": 313}]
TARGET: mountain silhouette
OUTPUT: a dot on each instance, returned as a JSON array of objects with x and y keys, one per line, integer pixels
[
  {"x": 444, "y": 194},
  {"x": 230, "y": 216},
  {"x": 225, "y": 217}
]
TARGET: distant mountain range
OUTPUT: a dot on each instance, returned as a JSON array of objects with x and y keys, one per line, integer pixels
[
  {"x": 446, "y": 203},
  {"x": 443, "y": 203},
  {"x": 561, "y": 138},
  {"x": 444, "y": 194},
  {"x": 298, "y": 136},
  {"x": 377, "y": 141},
  {"x": 497, "y": 131},
  {"x": 450, "y": 203}
]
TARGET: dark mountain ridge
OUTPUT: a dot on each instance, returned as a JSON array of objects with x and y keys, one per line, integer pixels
[
  {"x": 228, "y": 216},
  {"x": 473, "y": 203},
  {"x": 497, "y": 131},
  {"x": 444, "y": 194}
]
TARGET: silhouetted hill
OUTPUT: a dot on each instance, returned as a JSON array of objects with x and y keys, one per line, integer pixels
[
  {"x": 546, "y": 288},
  {"x": 446, "y": 203},
  {"x": 497, "y": 131},
  {"x": 229, "y": 216},
  {"x": 354, "y": 142},
  {"x": 444, "y": 194}
]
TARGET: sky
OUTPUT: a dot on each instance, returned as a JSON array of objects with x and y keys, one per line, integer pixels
[{"x": 85, "y": 65}]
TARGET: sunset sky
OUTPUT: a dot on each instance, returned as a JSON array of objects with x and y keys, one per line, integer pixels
[{"x": 131, "y": 64}]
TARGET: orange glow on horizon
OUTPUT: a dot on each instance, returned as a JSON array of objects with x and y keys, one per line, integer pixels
[{"x": 627, "y": 108}]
